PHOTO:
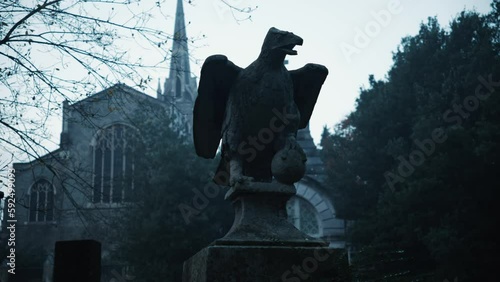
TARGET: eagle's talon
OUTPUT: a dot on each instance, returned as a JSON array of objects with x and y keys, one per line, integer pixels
[
  {"x": 240, "y": 180},
  {"x": 291, "y": 144}
]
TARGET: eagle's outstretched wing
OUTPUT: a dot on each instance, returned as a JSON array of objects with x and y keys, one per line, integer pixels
[
  {"x": 307, "y": 82},
  {"x": 217, "y": 77}
]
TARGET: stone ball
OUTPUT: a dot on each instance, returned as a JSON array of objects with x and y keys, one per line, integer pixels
[{"x": 288, "y": 166}]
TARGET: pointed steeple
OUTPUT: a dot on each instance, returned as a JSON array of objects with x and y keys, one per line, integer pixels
[
  {"x": 180, "y": 56},
  {"x": 179, "y": 89}
]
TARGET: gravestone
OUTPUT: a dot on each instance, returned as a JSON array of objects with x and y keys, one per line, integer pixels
[{"x": 77, "y": 261}]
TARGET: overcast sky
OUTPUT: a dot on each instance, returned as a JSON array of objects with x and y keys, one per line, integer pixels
[
  {"x": 331, "y": 30},
  {"x": 351, "y": 38}
]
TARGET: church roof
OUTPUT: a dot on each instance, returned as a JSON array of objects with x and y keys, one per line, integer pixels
[
  {"x": 116, "y": 88},
  {"x": 52, "y": 155},
  {"x": 119, "y": 88}
]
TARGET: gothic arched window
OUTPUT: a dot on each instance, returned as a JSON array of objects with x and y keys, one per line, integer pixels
[
  {"x": 41, "y": 201},
  {"x": 114, "y": 159},
  {"x": 304, "y": 216}
]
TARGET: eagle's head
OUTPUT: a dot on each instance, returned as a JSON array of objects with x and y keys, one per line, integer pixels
[{"x": 280, "y": 43}]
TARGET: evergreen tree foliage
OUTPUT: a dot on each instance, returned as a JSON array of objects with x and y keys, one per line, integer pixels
[{"x": 415, "y": 164}]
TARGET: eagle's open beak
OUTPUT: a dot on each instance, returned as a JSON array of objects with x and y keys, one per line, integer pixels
[{"x": 288, "y": 49}]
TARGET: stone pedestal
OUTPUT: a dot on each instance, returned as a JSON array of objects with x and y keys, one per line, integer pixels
[
  {"x": 263, "y": 264},
  {"x": 262, "y": 246},
  {"x": 260, "y": 217}
]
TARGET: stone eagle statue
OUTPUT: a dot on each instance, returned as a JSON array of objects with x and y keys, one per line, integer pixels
[{"x": 256, "y": 112}]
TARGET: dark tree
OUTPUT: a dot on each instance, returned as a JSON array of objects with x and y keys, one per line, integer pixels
[
  {"x": 177, "y": 211},
  {"x": 415, "y": 164}
]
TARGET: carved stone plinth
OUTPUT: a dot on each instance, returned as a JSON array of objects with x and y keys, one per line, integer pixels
[
  {"x": 266, "y": 264},
  {"x": 261, "y": 219},
  {"x": 262, "y": 246}
]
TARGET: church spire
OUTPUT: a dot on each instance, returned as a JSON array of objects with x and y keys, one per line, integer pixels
[
  {"x": 179, "y": 64},
  {"x": 179, "y": 89}
]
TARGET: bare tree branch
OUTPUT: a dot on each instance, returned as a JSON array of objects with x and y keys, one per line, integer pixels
[
  {"x": 23, "y": 20},
  {"x": 53, "y": 51}
]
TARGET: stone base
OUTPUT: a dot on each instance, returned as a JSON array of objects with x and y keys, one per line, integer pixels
[
  {"x": 264, "y": 264},
  {"x": 262, "y": 246},
  {"x": 261, "y": 220}
]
